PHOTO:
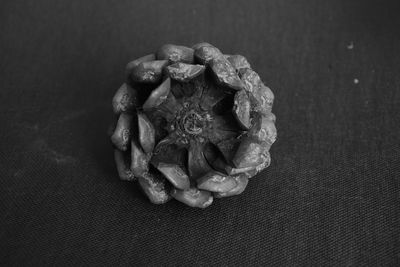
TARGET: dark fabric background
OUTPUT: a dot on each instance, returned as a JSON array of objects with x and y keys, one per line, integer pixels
[{"x": 330, "y": 197}]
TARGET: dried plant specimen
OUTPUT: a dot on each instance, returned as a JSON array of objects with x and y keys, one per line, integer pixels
[{"x": 193, "y": 124}]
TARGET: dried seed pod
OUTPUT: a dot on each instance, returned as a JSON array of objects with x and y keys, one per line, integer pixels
[
  {"x": 149, "y": 71},
  {"x": 125, "y": 99},
  {"x": 139, "y": 161},
  {"x": 123, "y": 132},
  {"x": 193, "y": 197},
  {"x": 122, "y": 161},
  {"x": 175, "y": 175},
  {"x": 216, "y": 182},
  {"x": 176, "y": 53},
  {"x": 225, "y": 73},
  {"x": 134, "y": 63},
  {"x": 146, "y": 133},
  {"x": 159, "y": 95},
  {"x": 202, "y": 131},
  {"x": 183, "y": 72},
  {"x": 155, "y": 188},
  {"x": 238, "y": 62},
  {"x": 241, "y": 184},
  {"x": 241, "y": 109}
]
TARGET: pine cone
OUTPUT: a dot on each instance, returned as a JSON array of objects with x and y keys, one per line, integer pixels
[{"x": 193, "y": 124}]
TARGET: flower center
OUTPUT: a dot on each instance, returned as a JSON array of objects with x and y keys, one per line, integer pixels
[{"x": 192, "y": 123}]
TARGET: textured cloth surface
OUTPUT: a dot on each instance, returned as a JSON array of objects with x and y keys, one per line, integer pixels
[{"x": 329, "y": 198}]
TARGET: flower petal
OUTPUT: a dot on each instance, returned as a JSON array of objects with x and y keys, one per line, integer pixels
[
  {"x": 238, "y": 61},
  {"x": 146, "y": 133},
  {"x": 149, "y": 72},
  {"x": 169, "y": 107},
  {"x": 241, "y": 109},
  {"x": 197, "y": 164},
  {"x": 159, "y": 95},
  {"x": 233, "y": 171},
  {"x": 262, "y": 97},
  {"x": 225, "y": 73},
  {"x": 174, "y": 174},
  {"x": 123, "y": 132},
  {"x": 241, "y": 183},
  {"x": 139, "y": 160},
  {"x": 176, "y": 53},
  {"x": 125, "y": 99},
  {"x": 134, "y": 63},
  {"x": 183, "y": 72},
  {"x": 248, "y": 153},
  {"x": 155, "y": 188},
  {"x": 211, "y": 95},
  {"x": 193, "y": 197},
  {"x": 216, "y": 182},
  {"x": 223, "y": 127},
  {"x": 205, "y": 52},
  {"x": 122, "y": 160},
  {"x": 214, "y": 157},
  {"x": 263, "y": 129},
  {"x": 228, "y": 148}
]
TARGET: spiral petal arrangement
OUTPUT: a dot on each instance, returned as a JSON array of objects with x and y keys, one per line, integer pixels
[{"x": 193, "y": 124}]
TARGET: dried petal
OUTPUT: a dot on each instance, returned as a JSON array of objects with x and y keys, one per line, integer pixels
[
  {"x": 204, "y": 52},
  {"x": 176, "y": 53},
  {"x": 248, "y": 153},
  {"x": 183, "y": 72},
  {"x": 228, "y": 148},
  {"x": 125, "y": 99},
  {"x": 214, "y": 157},
  {"x": 216, "y": 182},
  {"x": 223, "y": 128},
  {"x": 168, "y": 108},
  {"x": 250, "y": 79},
  {"x": 193, "y": 197},
  {"x": 225, "y": 73},
  {"x": 122, "y": 160},
  {"x": 139, "y": 160},
  {"x": 233, "y": 171},
  {"x": 158, "y": 95},
  {"x": 155, "y": 188},
  {"x": 149, "y": 72},
  {"x": 175, "y": 175},
  {"x": 265, "y": 98},
  {"x": 263, "y": 129},
  {"x": 134, "y": 63},
  {"x": 123, "y": 132},
  {"x": 241, "y": 109},
  {"x": 197, "y": 164},
  {"x": 238, "y": 61},
  {"x": 211, "y": 95},
  {"x": 266, "y": 158},
  {"x": 241, "y": 182},
  {"x": 262, "y": 97},
  {"x": 146, "y": 133}
]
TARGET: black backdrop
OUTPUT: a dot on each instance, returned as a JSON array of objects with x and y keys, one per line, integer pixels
[{"x": 330, "y": 196}]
